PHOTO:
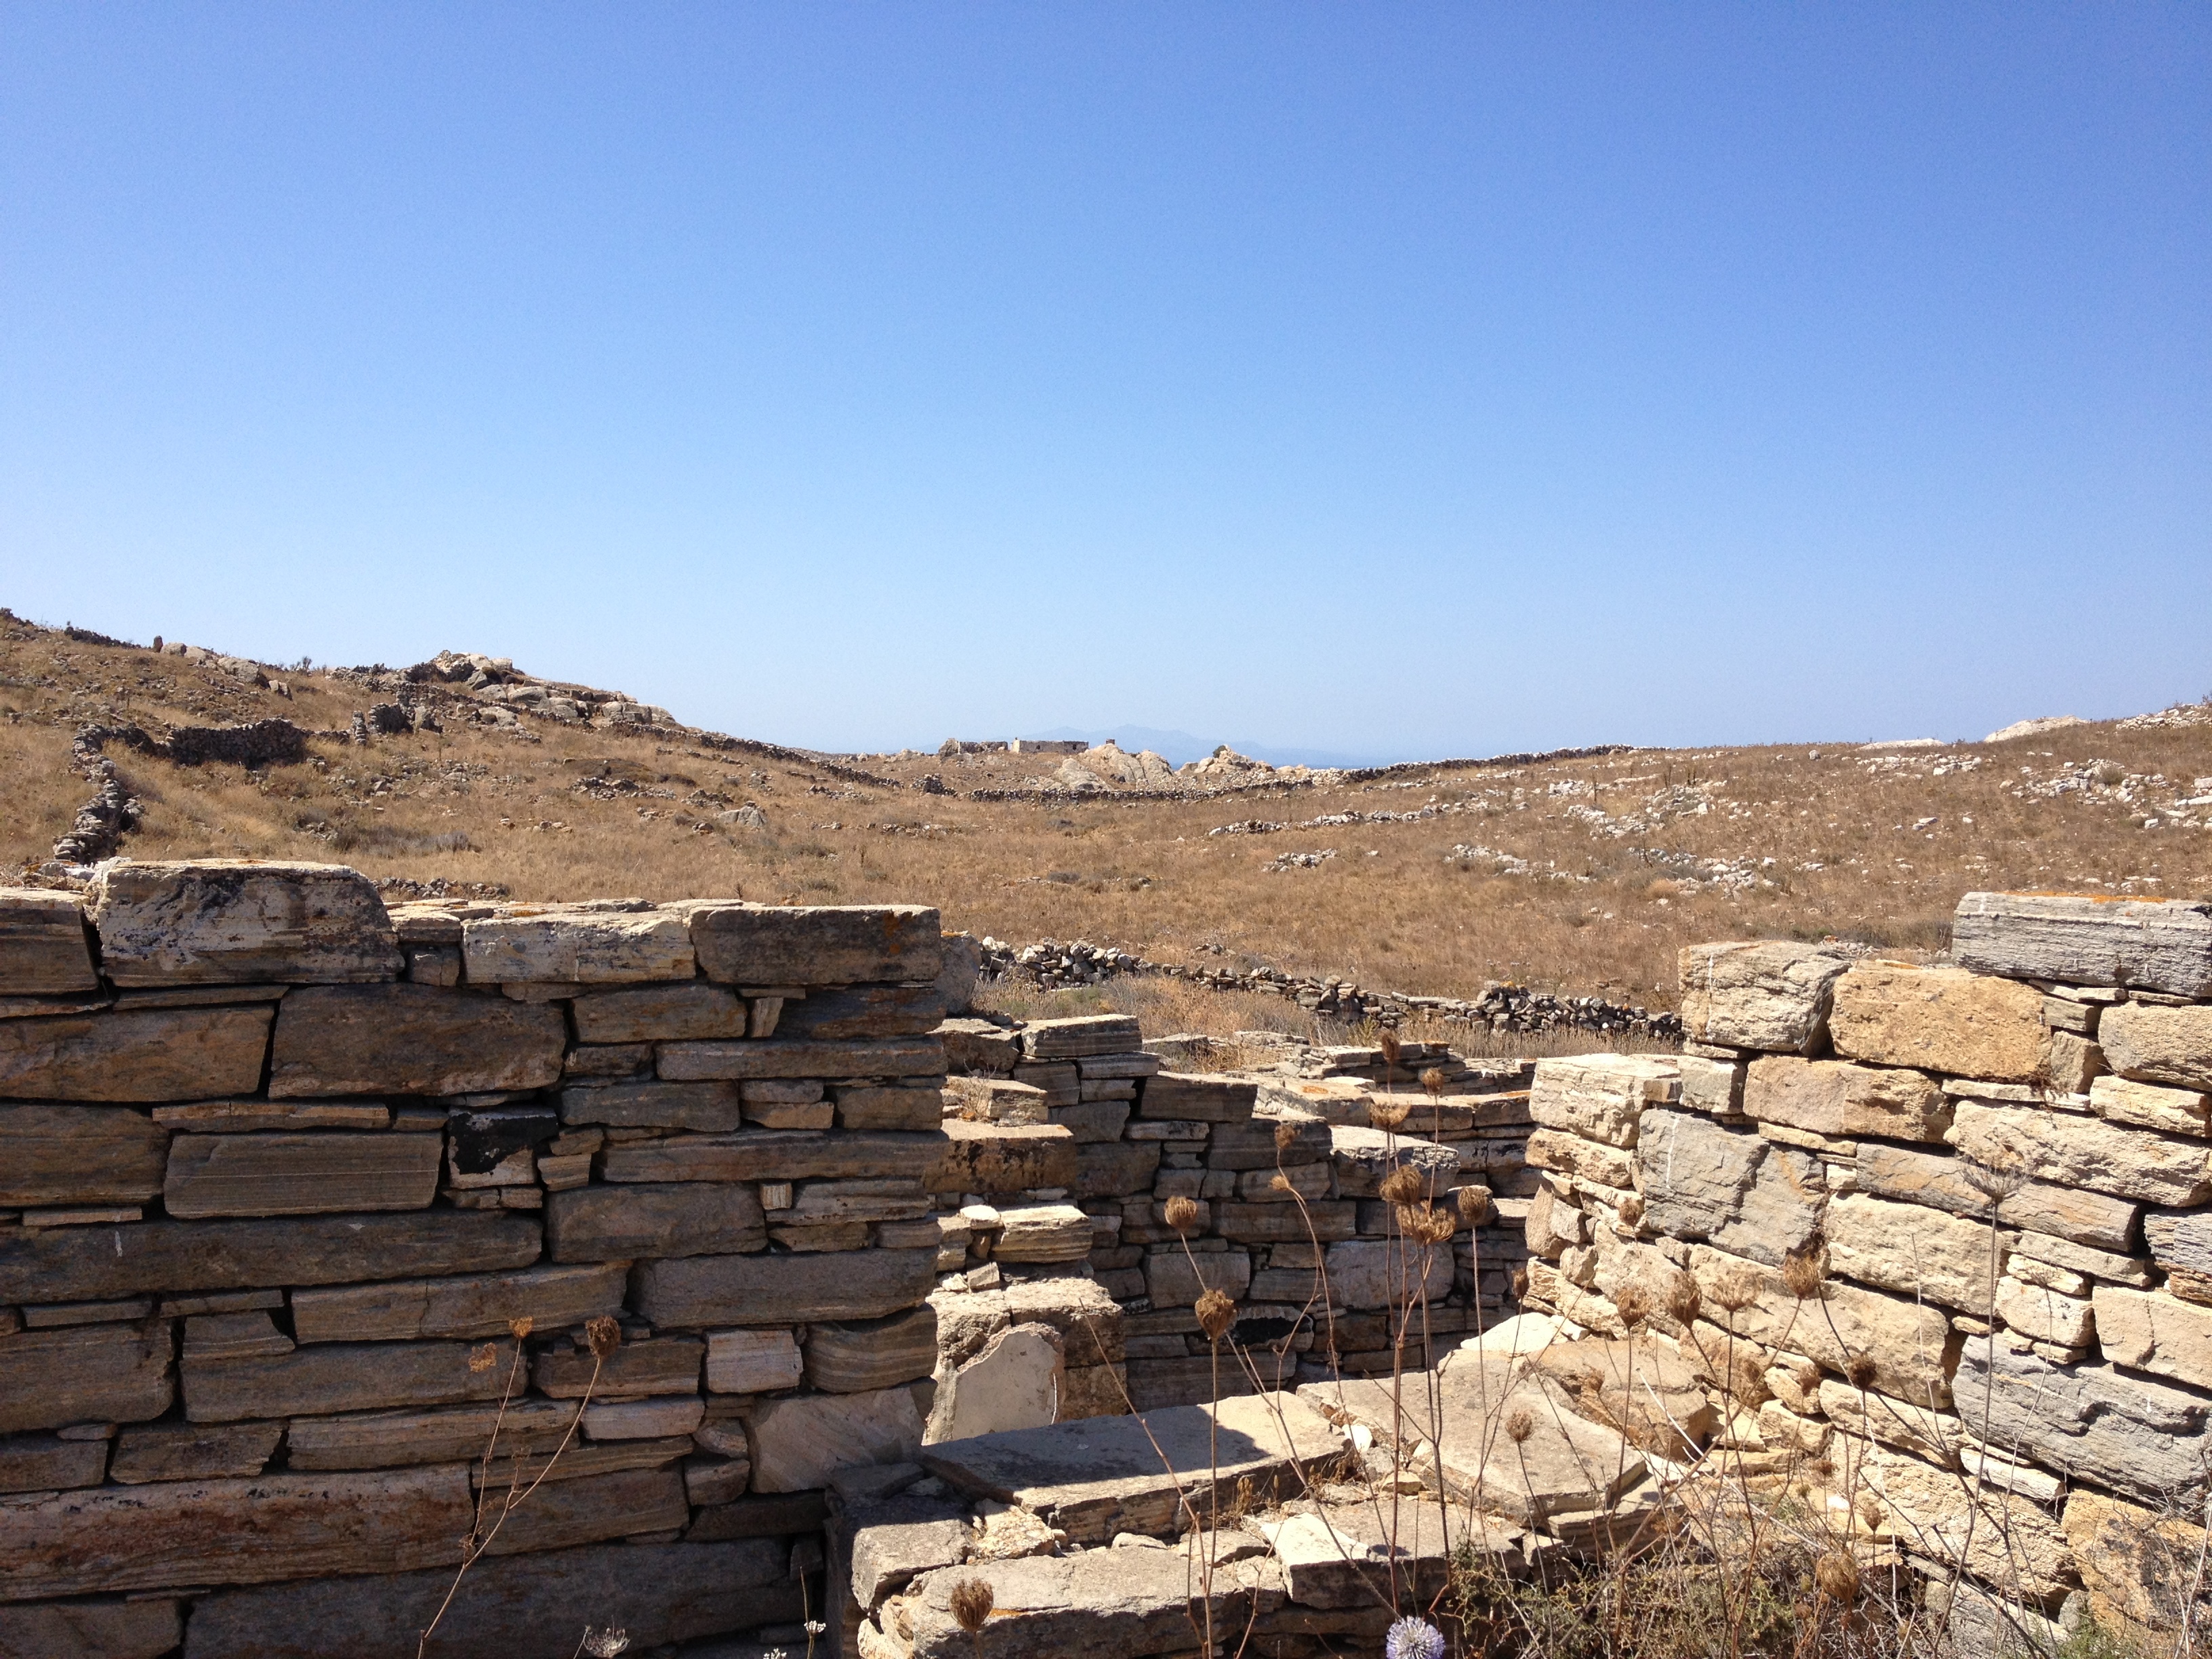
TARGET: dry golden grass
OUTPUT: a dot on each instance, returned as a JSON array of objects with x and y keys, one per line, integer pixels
[{"x": 1602, "y": 907}]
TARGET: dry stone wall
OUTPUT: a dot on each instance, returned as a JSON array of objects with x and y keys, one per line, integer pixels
[
  {"x": 1945, "y": 1232},
  {"x": 282, "y": 1175}
]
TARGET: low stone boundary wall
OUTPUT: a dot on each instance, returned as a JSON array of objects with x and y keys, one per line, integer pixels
[{"x": 1953, "y": 1223}]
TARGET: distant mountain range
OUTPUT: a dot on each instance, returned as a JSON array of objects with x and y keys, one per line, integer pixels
[{"x": 1179, "y": 747}]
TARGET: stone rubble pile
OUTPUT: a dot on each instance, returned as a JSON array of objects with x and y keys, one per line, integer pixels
[
  {"x": 1051, "y": 965},
  {"x": 1953, "y": 1223}
]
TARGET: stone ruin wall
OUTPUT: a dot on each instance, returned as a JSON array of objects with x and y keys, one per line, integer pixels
[
  {"x": 280, "y": 1169},
  {"x": 1866, "y": 1125},
  {"x": 277, "y": 1163}
]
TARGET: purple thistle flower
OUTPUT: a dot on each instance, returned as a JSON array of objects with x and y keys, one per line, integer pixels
[{"x": 1413, "y": 1638}]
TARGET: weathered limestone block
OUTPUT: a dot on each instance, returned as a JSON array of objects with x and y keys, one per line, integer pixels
[
  {"x": 482, "y": 1304},
  {"x": 2159, "y": 1045},
  {"x": 56, "y": 1155},
  {"x": 1600, "y": 1096},
  {"x": 193, "y": 1451},
  {"x": 84, "y": 1374},
  {"x": 774, "y": 1155},
  {"x": 97, "y": 1630},
  {"x": 632, "y": 1223},
  {"x": 2138, "y": 1565},
  {"x": 233, "y": 1532},
  {"x": 1092, "y": 1603},
  {"x": 1939, "y": 1019},
  {"x": 241, "y": 922},
  {"x": 659, "y": 1013},
  {"x": 799, "y": 1441},
  {"x": 312, "y": 1174},
  {"x": 2155, "y": 1332},
  {"x": 165, "y": 1053},
  {"x": 325, "y": 1378},
  {"x": 871, "y": 1107},
  {"x": 1714, "y": 1086},
  {"x": 992, "y": 1158},
  {"x": 44, "y": 950},
  {"x": 977, "y": 1047},
  {"x": 1099, "y": 1476},
  {"x": 411, "y": 1040},
  {"x": 2092, "y": 1219},
  {"x": 1911, "y": 1249},
  {"x": 706, "y": 1107},
  {"x": 2086, "y": 1420},
  {"x": 2182, "y": 1247},
  {"x": 2149, "y": 1106},
  {"x": 448, "y": 1434},
  {"x": 888, "y": 1541},
  {"x": 1001, "y": 1100},
  {"x": 93, "y": 1264},
  {"x": 1740, "y": 1192},
  {"x": 1015, "y": 1382},
  {"x": 787, "y": 1057},
  {"x": 1773, "y": 995},
  {"x": 1042, "y": 1233},
  {"x": 875, "y": 1353},
  {"x": 1909, "y": 1346},
  {"x": 2075, "y": 1150},
  {"x": 701, "y": 1290},
  {"x": 657, "y": 1365},
  {"x": 46, "y": 1462},
  {"x": 1570, "y": 1155},
  {"x": 1087, "y": 1319},
  {"x": 1842, "y": 1101},
  {"x": 1373, "y": 1273},
  {"x": 1553, "y": 1224},
  {"x": 577, "y": 945},
  {"x": 2043, "y": 1315},
  {"x": 1080, "y": 1035},
  {"x": 863, "y": 1010},
  {"x": 1263, "y": 1143},
  {"x": 1197, "y": 1097},
  {"x": 519, "y": 1607},
  {"x": 206, "y": 1117},
  {"x": 2156, "y": 944},
  {"x": 752, "y": 1361},
  {"x": 1999, "y": 1535},
  {"x": 824, "y": 945},
  {"x": 1286, "y": 1223}
]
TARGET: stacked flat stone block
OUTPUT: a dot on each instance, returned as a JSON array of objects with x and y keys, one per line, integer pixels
[
  {"x": 283, "y": 1172},
  {"x": 1998, "y": 1173}
]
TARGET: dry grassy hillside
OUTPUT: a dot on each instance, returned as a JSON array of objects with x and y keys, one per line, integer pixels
[{"x": 1580, "y": 876}]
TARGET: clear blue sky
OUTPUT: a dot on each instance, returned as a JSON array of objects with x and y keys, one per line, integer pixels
[{"x": 1385, "y": 379}]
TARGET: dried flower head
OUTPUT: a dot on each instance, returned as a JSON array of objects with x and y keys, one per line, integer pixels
[
  {"x": 1684, "y": 1298},
  {"x": 1180, "y": 1214},
  {"x": 1631, "y": 1210},
  {"x": 1803, "y": 1271},
  {"x": 1216, "y": 1314},
  {"x": 519, "y": 1328},
  {"x": 605, "y": 1644},
  {"x": 1634, "y": 1303},
  {"x": 1287, "y": 1136},
  {"x": 1473, "y": 1204},
  {"x": 972, "y": 1602},
  {"x": 1520, "y": 1283},
  {"x": 605, "y": 1336},
  {"x": 1433, "y": 1081},
  {"x": 484, "y": 1358},
  {"x": 1838, "y": 1576},
  {"x": 1391, "y": 1047},
  {"x": 1402, "y": 1185},
  {"x": 1519, "y": 1425},
  {"x": 1385, "y": 1113},
  {"x": 1282, "y": 1183},
  {"x": 1425, "y": 1224},
  {"x": 1736, "y": 1289},
  {"x": 1861, "y": 1369}
]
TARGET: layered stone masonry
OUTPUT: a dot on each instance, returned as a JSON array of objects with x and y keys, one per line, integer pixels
[
  {"x": 1953, "y": 1224},
  {"x": 282, "y": 1174}
]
